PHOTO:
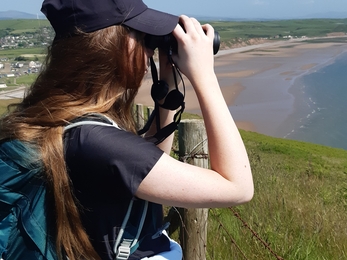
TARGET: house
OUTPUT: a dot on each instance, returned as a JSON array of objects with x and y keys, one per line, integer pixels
[
  {"x": 32, "y": 64},
  {"x": 19, "y": 65}
]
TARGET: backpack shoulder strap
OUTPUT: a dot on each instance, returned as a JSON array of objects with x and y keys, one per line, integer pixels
[
  {"x": 123, "y": 247},
  {"x": 93, "y": 119}
]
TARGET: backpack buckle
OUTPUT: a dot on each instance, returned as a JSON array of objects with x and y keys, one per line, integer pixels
[{"x": 123, "y": 251}]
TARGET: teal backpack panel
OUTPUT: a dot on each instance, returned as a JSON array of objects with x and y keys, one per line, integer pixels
[{"x": 23, "y": 220}]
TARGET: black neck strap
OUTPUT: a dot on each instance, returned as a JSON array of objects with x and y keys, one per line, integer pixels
[{"x": 173, "y": 100}]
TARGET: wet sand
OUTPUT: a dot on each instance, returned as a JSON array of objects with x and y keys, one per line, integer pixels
[{"x": 256, "y": 80}]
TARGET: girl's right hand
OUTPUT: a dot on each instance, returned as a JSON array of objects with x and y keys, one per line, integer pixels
[{"x": 195, "y": 49}]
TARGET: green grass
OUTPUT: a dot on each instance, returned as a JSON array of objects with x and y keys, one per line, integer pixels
[
  {"x": 5, "y": 102},
  {"x": 13, "y": 53},
  {"x": 25, "y": 80},
  {"x": 299, "y": 208},
  {"x": 269, "y": 29},
  {"x": 336, "y": 40},
  {"x": 20, "y": 25}
]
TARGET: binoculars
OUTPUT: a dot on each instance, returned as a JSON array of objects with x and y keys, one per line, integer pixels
[{"x": 168, "y": 42}]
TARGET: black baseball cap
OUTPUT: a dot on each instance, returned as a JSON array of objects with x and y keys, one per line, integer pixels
[{"x": 92, "y": 15}]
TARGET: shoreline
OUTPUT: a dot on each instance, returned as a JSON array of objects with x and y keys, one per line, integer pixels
[
  {"x": 301, "y": 109},
  {"x": 267, "y": 100},
  {"x": 257, "y": 81}
]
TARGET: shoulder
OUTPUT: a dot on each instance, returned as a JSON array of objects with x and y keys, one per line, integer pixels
[
  {"x": 105, "y": 136},
  {"x": 108, "y": 155},
  {"x": 99, "y": 142}
]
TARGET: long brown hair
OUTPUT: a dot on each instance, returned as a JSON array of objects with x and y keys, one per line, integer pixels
[{"x": 82, "y": 74}]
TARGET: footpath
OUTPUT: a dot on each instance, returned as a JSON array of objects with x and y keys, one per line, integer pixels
[{"x": 14, "y": 93}]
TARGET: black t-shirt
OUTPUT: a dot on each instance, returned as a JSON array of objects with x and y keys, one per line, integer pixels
[{"x": 106, "y": 165}]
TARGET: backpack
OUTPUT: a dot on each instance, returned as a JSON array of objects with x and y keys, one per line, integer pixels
[
  {"x": 23, "y": 232},
  {"x": 23, "y": 222}
]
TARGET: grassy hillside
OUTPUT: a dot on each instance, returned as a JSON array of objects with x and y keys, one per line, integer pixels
[
  {"x": 30, "y": 37},
  {"x": 299, "y": 208},
  {"x": 229, "y": 31},
  {"x": 19, "y": 26}
]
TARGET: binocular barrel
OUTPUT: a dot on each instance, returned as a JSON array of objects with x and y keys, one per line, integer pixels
[{"x": 168, "y": 42}]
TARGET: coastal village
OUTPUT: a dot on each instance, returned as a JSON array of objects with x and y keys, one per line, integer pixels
[{"x": 23, "y": 64}]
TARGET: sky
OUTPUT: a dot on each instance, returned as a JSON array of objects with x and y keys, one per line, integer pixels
[{"x": 249, "y": 9}]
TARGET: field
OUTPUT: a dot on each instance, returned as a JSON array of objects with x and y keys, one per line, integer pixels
[
  {"x": 5, "y": 103},
  {"x": 19, "y": 26},
  {"x": 26, "y": 80},
  {"x": 232, "y": 31},
  {"x": 25, "y": 52}
]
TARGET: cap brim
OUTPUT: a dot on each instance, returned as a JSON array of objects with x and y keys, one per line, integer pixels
[{"x": 153, "y": 22}]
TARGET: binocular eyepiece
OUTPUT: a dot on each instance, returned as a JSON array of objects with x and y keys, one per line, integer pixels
[{"x": 169, "y": 43}]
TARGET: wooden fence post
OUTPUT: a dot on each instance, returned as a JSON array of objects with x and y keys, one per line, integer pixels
[
  {"x": 193, "y": 149},
  {"x": 149, "y": 111},
  {"x": 140, "y": 118}
]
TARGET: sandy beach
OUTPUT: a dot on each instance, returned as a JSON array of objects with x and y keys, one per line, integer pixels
[{"x": 256, "y": 81}]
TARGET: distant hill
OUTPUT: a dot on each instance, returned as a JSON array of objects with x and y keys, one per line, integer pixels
[
  {"x": 333, "y": 15},
  {"x": 326, "y": 15},
  {"x": 11, "y": 14}
]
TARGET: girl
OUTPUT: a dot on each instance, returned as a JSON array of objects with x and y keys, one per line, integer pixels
[{"x": 81, "y": 183}]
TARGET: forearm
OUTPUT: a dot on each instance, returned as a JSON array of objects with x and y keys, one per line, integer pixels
[{"x": 228, "y": 155}]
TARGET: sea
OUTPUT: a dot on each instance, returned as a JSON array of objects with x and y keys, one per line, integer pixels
[{"x": 320, "y": 109}]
